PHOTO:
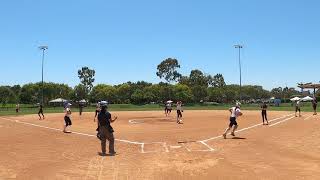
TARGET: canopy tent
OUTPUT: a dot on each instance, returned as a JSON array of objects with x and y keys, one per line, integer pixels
[
  {"x": 59, "y": 100},
  {"x": 295, "y": 99},
  {"x": 169, "y": 101},
  {"x": 307, "y": 98},
  {"x": 309, "y": 86},
  {"x": 83, "y": 101}
]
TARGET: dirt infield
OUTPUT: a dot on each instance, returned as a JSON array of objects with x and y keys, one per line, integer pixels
[{"x": 152, "y": 146}]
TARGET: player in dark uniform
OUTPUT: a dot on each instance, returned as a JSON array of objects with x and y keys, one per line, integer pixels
[
  {"x": 264, "y": 107},
  {"x": 314, "y": 105},
  {"x": 165, "y": 109},
  {"x": 40, "y": 112},
  {"x": 169, "y": 108},
  {"x": 298, "y": 108},
  {"x": 81, "y": 105},
  {"x": 105, "y": 130}
]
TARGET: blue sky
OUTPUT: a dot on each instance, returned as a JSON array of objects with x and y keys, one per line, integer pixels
[{"x": 125, "y": 40}]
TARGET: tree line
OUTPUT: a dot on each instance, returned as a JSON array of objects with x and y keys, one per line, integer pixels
[
  {"x": 192, "y": 88},
  {"x": 140, "y": 92}
]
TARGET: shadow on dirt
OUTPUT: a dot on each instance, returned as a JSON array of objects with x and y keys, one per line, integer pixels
[{"x": 238, "y": 138}]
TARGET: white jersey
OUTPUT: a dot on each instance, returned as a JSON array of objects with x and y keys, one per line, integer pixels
[
  {"x": 67, "y": 112},
  {"x": 235, "y": 112},
  {"x": 179, "y": 107}
]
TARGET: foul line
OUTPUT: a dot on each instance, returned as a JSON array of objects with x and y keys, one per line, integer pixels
[
  {"x": 73, "y": 132},
  {"x": 308, "y": 117},
  {"x": 282, "y": 121},
  {"x": 250, "y": 127}
]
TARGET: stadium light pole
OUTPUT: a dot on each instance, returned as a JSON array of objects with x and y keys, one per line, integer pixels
[
  {"x": 43, "y": 48},
  {"x": 238, "y": 46}
]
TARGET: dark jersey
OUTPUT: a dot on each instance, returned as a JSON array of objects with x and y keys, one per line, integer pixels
[
  {"x": 314, "y": 102},
  {"x": 104, "y": 120},
  {"x": 264, "y": 107}
]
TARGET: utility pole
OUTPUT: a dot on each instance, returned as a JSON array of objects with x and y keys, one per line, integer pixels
[
  {"x": 43, "y": 48},
  {"x": 239, "y": 47}
]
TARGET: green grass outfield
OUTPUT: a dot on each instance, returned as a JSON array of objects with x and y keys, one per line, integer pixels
[{"x": 25, "y": 109}]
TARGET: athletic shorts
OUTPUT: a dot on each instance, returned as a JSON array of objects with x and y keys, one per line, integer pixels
[
  {"x": 314, "y": 107},
  {"x": 67, "y": 121},
  {"x": 169, "y": 110},
  {"x": 233, "y": 121},
  {"x": 297, "y": 109},
  {"x": 179, "y": 113},
  {"x": 40, "y": 111}
]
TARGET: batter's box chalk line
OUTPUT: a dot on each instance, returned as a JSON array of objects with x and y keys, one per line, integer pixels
[
  {"x": 204, "y": 146},
  {"x": 162, "y": 147},
  {"x": 157, "y": 147},
  {"x": 145, "y": 119}
]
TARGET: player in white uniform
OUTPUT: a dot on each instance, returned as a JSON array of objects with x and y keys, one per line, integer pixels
[
  {"x": 179, "y": 112},
  {"x": 298, "y": 108},
  {"x": 235, "y": 112},
  {"x": 67, "y": 118}
]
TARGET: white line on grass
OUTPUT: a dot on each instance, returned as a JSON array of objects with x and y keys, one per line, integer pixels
[{"x": 250, "y": 127}]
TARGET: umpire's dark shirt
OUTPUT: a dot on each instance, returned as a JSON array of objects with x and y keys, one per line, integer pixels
[{"x": 104, "y": 120}]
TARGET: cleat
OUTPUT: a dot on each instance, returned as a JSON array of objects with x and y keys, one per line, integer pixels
[{"x": 102, "y": 154}]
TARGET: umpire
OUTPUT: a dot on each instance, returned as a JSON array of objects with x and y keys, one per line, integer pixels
[{"x": 105, "y": 130}]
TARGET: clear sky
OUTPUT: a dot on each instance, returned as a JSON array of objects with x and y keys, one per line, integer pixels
[{"x": 124, "y": 40}]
